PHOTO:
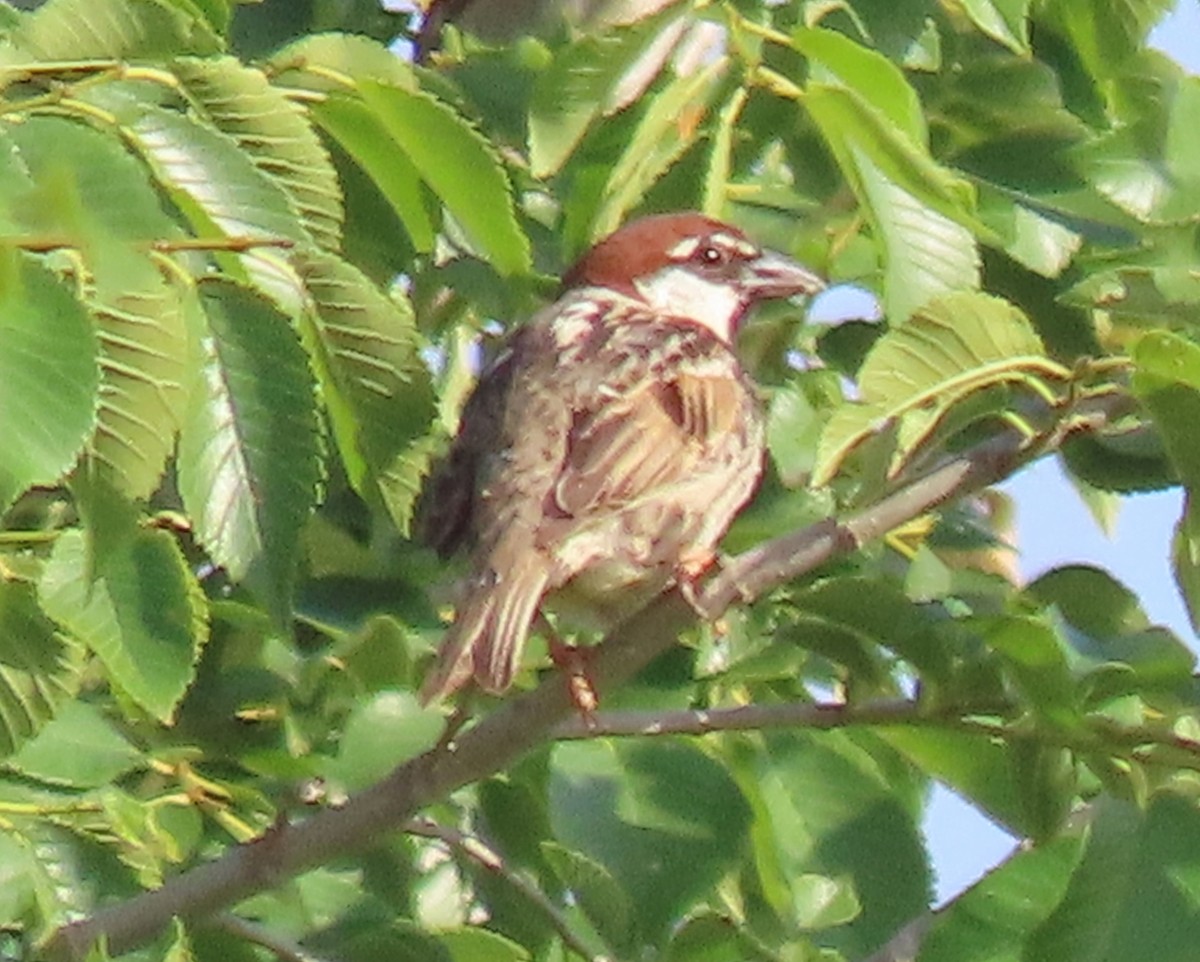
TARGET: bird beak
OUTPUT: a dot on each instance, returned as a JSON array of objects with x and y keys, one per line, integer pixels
[{"x": 773, "y": 275}]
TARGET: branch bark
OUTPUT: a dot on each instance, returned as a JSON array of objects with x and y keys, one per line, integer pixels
[{"x": 524, "y": 722}]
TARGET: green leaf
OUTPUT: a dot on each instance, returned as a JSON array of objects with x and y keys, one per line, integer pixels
[
  {"x": 709, "y": 937},
  {"x": 88, "y": 187},
  {"x": 480, "y": 945},
  {"x": 663, "y": 818},
  {"x": 375, "y": 386},
  {"x": 143, "y": 614},
  {"x": 1167, "y": 380},
  {"x": 24, "y": 874},
  {"x": 995, "y": 917},
  {"x": 670, "y": 123},
  {"x": 205, "y": 173},
  {"x": 915, "y": 374},
  {"x": 1112, "y": 633},
  {"x": 146, "y": 353},
  {"x": 38, "y": 669},
  {"x": 977, "y": 767},
  {"x": 461, "y": 167},
  {"x": 1037, "y": 662},
  {"x": 577, "y": 87},
  {"x": 820, "y": 902},
  {"x": 79, "y": 748},
  {"x": 837, "y": 60},
  {"x": 1040, "y": 243},
  {"x": 95, "y": 29},
  {"x": 836, "y": 805},
  {"x": 596, "y": 892},
  {"x": 274, "y": 133},
  {"x": 793, "y": 429},
  {"x": 890, "y": 621},
  {"x": 1185, "y": 557},
  {"x": 363, "y": 136},
  {"x": 1103, "y": 38},
  {"x": 922, "y": 213},
  {"x": 250, "y": 451},
  {"x": 382, "y": 732},
  {"x": 1134, "y": 894},
  {"x": 1005, "y": 21},
  {"x": 331, "y": 61},
  {"x": 48, "y": 376}
]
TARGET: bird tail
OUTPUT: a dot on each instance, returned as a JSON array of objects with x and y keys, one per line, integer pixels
[{"x": 488, "y": 633}]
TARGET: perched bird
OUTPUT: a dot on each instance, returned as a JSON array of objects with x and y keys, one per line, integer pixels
[{"x": 607, "y": 449}]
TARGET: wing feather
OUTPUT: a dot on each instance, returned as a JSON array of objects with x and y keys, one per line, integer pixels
[{"x": 649, "y": 439}]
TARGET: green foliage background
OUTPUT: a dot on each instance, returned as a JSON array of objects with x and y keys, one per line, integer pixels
[{"x": 246, "y": 257}]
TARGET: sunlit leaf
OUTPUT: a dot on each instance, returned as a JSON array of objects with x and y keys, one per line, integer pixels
[
  {"x": 382, "y": 732},
  {"x": 923, "y": 213},
  {"x": 838, "y": 60},
  {"x": 363, "y": 136},
  {"x": 217, "y": 185},
  {"x": 87, "y": 186},
  {"x": 575, "y": 89},
  {"x": 274, "y": 132},
  {"x": 1006, "y": 21},
  {"x": 672, "y": 121},
  {"x": 92, "y": 29},
  {"x": 461, "y": 167},
  {"x": 249, "y": 454},
  {"x": 377, "y": 389},
  {"x": 146, "y": 353},
  {"x": 914, "y": 375},
  {"x": 334, "y": 61}
]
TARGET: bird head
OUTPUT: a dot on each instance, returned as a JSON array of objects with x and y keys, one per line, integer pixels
[{"x": 693, "y": 267}]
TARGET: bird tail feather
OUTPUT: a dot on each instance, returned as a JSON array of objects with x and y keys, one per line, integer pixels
[{"x": 488, "y": 634}]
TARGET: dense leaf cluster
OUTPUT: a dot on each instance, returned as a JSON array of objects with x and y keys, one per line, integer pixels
[{"x": 249, "y": 258}]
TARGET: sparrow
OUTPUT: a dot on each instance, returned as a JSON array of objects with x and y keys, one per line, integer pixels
[{"x": 606, "y": 450}]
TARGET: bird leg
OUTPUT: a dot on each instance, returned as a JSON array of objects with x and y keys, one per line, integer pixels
[
  {"x": 693, "y": 566},
  {"x": 574, "y": 662}
]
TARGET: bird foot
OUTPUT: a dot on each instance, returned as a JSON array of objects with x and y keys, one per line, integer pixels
[
  {"x": 575, "y": 663},
  {"x": 692, "y": 568}
]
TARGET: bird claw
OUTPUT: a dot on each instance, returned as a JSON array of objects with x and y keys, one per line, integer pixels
[{"x": 574, "y": 662}]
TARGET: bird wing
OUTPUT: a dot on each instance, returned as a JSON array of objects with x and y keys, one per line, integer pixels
[{"x": 650, "y": 438}]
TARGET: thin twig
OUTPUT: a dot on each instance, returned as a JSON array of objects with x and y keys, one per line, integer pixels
[
  {"x": 1146, "y": 744},
  {"x": 491, "y": 860}
]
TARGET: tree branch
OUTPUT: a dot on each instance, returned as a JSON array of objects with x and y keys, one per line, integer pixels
[{"x": 525, "y": 721}]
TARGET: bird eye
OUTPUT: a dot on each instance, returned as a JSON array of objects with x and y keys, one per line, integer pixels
[{"x": 711, "y": 255}]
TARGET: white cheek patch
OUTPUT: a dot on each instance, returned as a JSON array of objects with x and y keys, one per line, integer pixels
[{"x": 680, "y": 292}]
